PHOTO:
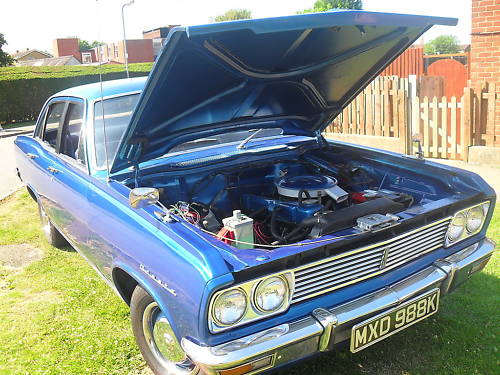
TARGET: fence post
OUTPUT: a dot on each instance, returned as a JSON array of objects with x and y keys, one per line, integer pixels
[
  {"x": 444, "y": 127},
  {"x": 435, "y": 127},
  {"x": 466, "y": 123},
  {"x": 405, "y": 139},
  {"x": 490, "y": 122}
]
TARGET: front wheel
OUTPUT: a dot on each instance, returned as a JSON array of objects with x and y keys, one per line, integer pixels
[
  {"x": 155, "y": 337},
  {"x": 51, "y": 233}
]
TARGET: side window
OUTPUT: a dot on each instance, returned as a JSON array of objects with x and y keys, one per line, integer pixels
[
  {"x": 71, "y": 137},
  {"x": 56, "y": 111},
  {"x": 117, "y": 113}
]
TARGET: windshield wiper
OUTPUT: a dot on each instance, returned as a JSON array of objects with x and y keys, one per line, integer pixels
[{"x": 241, "y": 146}]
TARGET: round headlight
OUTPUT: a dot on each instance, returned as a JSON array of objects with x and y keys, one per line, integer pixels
[
  {"x": 229, "y": 307},
  {"x": 475, "y": 219},
  {"x": 271, "y": 293},
  {"x": 457, "y": 227}
]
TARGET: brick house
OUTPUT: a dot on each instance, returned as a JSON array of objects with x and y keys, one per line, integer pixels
[
  {"x": 66, "y": 47},
  {"x": 138, "y": 51},
  {"x": 158, "y": 36},
  {"x": 485, "y": 49}
]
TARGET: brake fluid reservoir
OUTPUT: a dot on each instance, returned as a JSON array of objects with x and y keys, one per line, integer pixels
[{"x": 242, "y": 228}]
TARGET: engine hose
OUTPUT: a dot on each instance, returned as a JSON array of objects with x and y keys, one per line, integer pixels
[
  {"x": 292, "y": 236},
  {"x": 327, "y": 206},
  {"x": 273, "y": 228}
]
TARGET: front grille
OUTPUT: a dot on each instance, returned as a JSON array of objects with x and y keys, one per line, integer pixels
[{"x": 344, "y": 269}]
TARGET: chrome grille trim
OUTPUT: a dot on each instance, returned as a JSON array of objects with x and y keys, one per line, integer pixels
[{"x": 344, "y": 269}]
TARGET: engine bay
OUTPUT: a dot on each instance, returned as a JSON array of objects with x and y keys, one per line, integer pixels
[{"x": 271, "y": 203}]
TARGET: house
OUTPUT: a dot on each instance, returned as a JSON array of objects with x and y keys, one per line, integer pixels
[
  {"x": 51, "y": 61},
  {"x": 158, "y": 36},
  {"x": 67, "y": 47},
  {"x": 30, "y": 54},
  {"x": 138, "y": 51}
]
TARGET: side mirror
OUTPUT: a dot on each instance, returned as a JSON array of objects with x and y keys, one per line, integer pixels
[{"x": 143, "y": 197}]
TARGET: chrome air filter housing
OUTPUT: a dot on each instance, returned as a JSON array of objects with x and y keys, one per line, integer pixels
[{"x": 310, "y": 186}]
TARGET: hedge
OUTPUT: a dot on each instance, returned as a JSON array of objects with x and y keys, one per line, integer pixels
[{"x": 23, "y": 90}]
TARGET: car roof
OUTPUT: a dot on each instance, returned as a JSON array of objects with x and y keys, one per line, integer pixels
[{"x": 93, "y": 91}]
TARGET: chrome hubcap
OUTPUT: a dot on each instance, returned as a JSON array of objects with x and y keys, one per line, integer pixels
[
  {"x": 162, "y": 342},
  {"x": 45, "y": 222}
]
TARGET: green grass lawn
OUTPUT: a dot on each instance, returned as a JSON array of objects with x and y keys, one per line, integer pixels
[
  {"x": 18, "y": 124},
  {"x": 58, "y": 317}
]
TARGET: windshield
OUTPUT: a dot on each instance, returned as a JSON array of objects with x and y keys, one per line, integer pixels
[
  {"x": 229, "y": 137},
  {"x": 117, "y": 113}
]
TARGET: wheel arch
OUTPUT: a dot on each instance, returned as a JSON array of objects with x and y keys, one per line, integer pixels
[
  {"x": 124, "y": 284},
  {"x": 32, "y": 193}
]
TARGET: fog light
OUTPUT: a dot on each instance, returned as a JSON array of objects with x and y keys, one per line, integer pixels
[{"x": 260, "y": 364}]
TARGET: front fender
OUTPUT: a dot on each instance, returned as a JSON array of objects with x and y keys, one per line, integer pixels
[{"x": 166, "y": 299}]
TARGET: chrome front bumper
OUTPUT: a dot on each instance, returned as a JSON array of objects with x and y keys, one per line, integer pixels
[{"x": 325, "y": 328}]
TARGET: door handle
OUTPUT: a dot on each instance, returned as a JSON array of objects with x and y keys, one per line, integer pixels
[
  {"x": 52, "y": 169},
  {"x": 31, "y": 156}
]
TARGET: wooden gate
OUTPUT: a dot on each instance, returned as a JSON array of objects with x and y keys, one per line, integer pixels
[
  {"x": 443, "y": 126},
  {"x": 454, "y": 75}
]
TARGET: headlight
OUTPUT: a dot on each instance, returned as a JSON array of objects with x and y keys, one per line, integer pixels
[
  {"x": 475, "y": 219},
  {"x": 250, "y": 301},
  {"x": 229, "y": 307},
  {"x": 270, "y": 293},
  {"x": 466, "y": 223},
  {"x": 457, "y": 227}
]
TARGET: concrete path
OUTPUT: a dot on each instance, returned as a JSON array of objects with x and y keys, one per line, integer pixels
[{"x": 9, "y": 182}]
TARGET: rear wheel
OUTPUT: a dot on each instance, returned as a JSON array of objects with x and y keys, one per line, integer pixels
[
  {"x": 51, "y": 233},
  {"x": 155, "y": 337}
]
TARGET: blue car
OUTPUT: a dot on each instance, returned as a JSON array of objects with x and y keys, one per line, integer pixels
[{"x": 242, "y": 239}]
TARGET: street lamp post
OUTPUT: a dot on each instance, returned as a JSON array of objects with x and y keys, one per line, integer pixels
[{"x": 124, "y": 37}]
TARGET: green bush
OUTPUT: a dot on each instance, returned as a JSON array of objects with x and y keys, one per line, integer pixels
[{"x": 23, "y": 90}]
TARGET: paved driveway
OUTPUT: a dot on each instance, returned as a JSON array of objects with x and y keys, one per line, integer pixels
[{"x": 9, "y": 181}]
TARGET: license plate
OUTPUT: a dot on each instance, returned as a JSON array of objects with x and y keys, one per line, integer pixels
[{"x": 388, "y": 323}]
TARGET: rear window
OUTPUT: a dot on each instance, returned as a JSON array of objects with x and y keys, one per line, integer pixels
[{"x": 117, "y": 113}]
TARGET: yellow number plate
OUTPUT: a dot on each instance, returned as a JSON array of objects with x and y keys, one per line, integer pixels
[{"x": 388, "y": 323}]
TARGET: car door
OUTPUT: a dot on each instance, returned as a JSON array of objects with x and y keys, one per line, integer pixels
[{"x": 64, "y": 197}]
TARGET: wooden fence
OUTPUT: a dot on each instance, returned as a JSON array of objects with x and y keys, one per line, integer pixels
[
  {"x": 381, "y": 110},
  {"x": 483, "y": 100},
  {"x": 385, "y": 116},
  {"x": 411, "y": 62}
]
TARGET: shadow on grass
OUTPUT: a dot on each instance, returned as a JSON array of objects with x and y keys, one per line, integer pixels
[{"x": 459, "y": 339}]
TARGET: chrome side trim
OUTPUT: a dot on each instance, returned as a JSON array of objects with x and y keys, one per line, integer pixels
[{"x": 326, "y": 327}]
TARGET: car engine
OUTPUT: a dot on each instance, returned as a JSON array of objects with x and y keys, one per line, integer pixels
[{"x": 285, "y": 202}]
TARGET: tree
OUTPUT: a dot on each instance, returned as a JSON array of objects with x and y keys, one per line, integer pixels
[
  {"x": 5, "y": 58},
  {"x": 325, "y": 5},
  {"x": 234, "y": 14},
  {"x": 84, "y": 45},
  {"x": 442, "y": 44}
]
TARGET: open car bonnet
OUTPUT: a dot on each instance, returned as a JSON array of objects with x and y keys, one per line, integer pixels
[{"x": 295, "y": 73}]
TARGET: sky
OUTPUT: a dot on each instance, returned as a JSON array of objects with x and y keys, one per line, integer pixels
[{"x": 35, "y": 23}]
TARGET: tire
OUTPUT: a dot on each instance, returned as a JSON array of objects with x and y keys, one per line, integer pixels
[
  {"x": 149, "y": 324},
  {"x": 51, "y": 233}
]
